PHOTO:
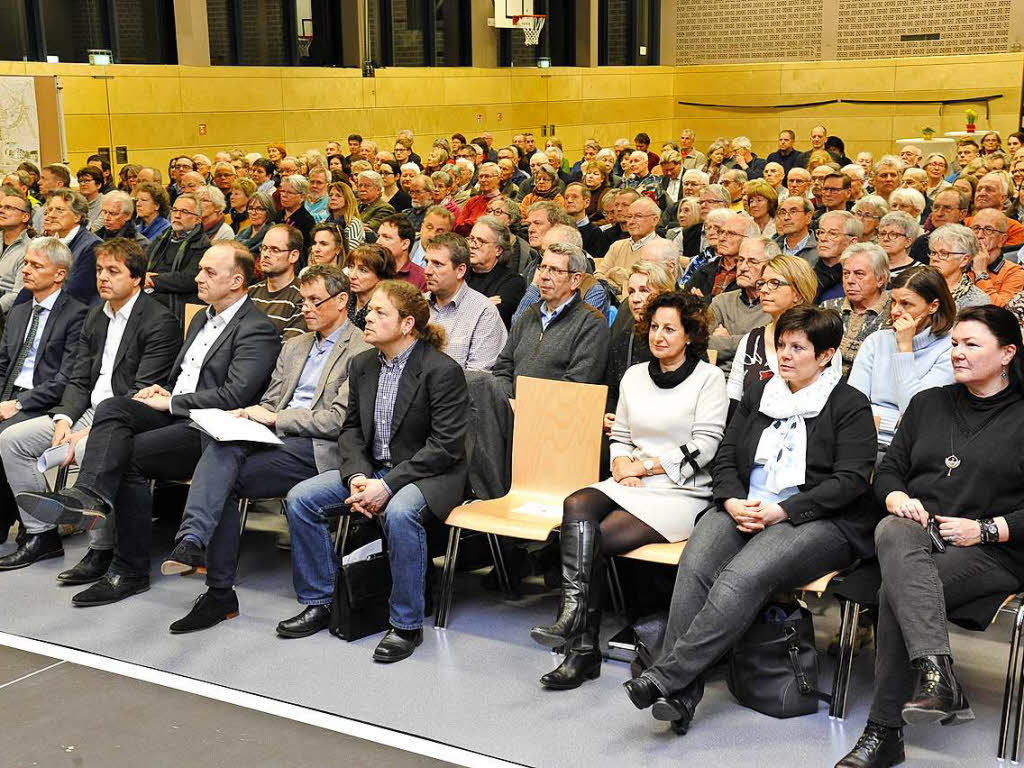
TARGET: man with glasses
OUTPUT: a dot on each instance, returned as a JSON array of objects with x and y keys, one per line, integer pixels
[
  {"x": 837, "y": 230},
  {"x": 733, "y": 181},
  {"x": 798, "y": 182},
  {"x": 641, "y": 221},
  {"x": 316, "y": 198},
  {"x": 488, "y": 177},
  {"x": 991, "y": 271},
  {"x": 911, "y": 156},
  {"x": 991, "y": 194},
  {"x": 277, "y": 295},
  {"x": 735, "y": 313},
  {"x": 950, "y": 206},
  {"x": 719, "y": 276},
  {"x": 792, "y": 223},
  {"x": 373, "y": 208},
  {"x": 173, "y": 258},
  {"x": 304, "y": 405},
  {"x": 865, "y": 306},
  {"x": 835, "y": 194},
  {"x": 421, "y": 197},
  {"x": 15, "y": 215}
]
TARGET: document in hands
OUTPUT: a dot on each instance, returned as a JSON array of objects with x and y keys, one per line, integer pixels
[
  {"x": 52, "y": 457},
  {"x": 225, "y": 428}
]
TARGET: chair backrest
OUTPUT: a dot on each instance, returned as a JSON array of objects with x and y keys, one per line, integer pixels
[
  {"x": 556, "y": 443},
  {"x": 713, "y": 356},
  {"x": 191, "y": 310}
]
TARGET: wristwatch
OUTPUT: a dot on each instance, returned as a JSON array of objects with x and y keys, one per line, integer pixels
[
  {"x": 981, "y": 276},
  {"x": 989, "y": 531},
  {"x": 17, "y": 405},
  {"x": 648, "y": 466}
]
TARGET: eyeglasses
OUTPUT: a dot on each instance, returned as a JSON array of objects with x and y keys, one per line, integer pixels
[
  {"x": 274, "y": 251},
  {"x": 890, "y": 235},
  {"x": 497, "y": 212},
  {"x": 727, "y": 233},
  {"x": 476, "y": 241},
  {"x": 866, "y": 215},
  {"x": 545, "y": 269},
  {"x": 13, "y": 208},
  {"x": 785, "y": 213},
  {"x": 979, "y": 231},
  {"x": 182, "y": 212},
  {"x": 771, "y": 285},
  {"x": 945, "y": 255},
  {"x": 316, "y": 304},
  {"x": 387, "y": 173},
  {"x": 635, "y": 216},
  {"x": 829, "y": 234},
  {"x": 831, "y": 190}
]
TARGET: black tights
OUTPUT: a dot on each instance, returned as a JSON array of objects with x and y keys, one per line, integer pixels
[{"x": 620, "y": 531}]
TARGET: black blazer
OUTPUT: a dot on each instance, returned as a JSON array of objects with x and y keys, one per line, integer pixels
[
  {"x": 151, "y": 340},
  {"x": 55, "y": 357},
  {"x": 841, "y": 449},
  {"x": 428, "y": 429},
  {"x": 176, "y": 266},
  {"x": 238, "y": 365},
  {"x": 81, "y": 280}
]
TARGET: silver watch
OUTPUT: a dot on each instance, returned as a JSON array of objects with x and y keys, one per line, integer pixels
[{"x": 648, "y": 466}]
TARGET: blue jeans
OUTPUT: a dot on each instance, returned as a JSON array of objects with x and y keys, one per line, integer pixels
[{"x": 314, "y": 563}]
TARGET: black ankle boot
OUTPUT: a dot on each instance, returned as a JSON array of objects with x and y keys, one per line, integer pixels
[
  {"x": 938, "y": 696},
  {"x": 679, "y": 708},
  {"x": 581, "y": 543},
  {"x": 878, "y": 747},
  {"x": 582, "y": 662}
]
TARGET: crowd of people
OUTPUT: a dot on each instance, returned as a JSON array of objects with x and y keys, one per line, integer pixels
[{"x": 811, "y": 362}]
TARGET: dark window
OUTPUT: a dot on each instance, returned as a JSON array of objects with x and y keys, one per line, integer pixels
[
  {"x": 264, "y": 33},
  {"x": 275, "y": 32},
  {"x": 144, "y": 33},
  {"x": 220, "y": 19},
  {"x": 557, "y": 39},
  {"x": 14, "y": 43},
  {"x": 72, "y": 27},
  {"x": 628, "y": 32},
  {"x": 420, "y": 33}
]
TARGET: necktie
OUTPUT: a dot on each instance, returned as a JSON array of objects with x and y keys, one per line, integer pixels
[{"x": 26, "y": 346}]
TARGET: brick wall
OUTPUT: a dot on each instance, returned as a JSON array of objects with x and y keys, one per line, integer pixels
[
  {"x": 738, "y": 30},
  {"x": 263, "y": 32},
  {"x": 620, "y": 17}
]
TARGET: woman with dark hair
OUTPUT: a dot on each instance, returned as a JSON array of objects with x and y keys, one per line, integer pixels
[
  {"x": 896, "y": 363},
  {"x": 792, "y": 495},
  {"x": 954, "y": 465},
  {"x": 668, "y": 424},
  {"x": 595, "y": 179},
  {"x": 367, "y": 266},
  {"x": 152, "y": 206}
]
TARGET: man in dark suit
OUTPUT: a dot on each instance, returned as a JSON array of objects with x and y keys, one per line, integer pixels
[
  {"x": 305, "y": 406},
  {"x": 174, "y": 257},
  {"x": 127, "y": 343},
  {"x": 403, "y": 458},
  {"x": 225, "y": 363},
  {"x": 38, "y": 347}
]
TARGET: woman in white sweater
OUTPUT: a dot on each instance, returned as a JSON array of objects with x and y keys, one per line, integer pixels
[
  {"x": 894, "y": 364},
  {"x": 669, "y": 421}
]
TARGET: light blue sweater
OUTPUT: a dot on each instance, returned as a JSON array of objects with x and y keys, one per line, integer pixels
[{"x": 891, "y": 378}]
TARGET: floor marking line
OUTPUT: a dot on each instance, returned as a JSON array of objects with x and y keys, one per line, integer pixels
[
  {"x": 30, "y": 674},
  {"x": 377, "y": 734}
]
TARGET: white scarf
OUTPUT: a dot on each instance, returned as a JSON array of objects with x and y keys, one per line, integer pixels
[{"x": 782, "y": 449}]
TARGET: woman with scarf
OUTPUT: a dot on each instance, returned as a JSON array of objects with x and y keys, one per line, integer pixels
[
  {"x": 545, "y": 187},
  {"x": 954, "y": 465},
  {"x": 668, "y": 423},
  {"x": 792, "y": 496},
  {"x": 896, "y": 363}
]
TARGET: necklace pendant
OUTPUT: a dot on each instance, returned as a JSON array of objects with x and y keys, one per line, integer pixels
[{"x": 952, "y": 462}]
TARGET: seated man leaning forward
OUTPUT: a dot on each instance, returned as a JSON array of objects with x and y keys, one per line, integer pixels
[
  {"x": 403, "y": 461},
  {"x": 225, "y": 363},
  {"x": 305, "y": 406}
]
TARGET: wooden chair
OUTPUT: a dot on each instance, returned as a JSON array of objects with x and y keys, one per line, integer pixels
[
  {"x": 191, "y": 310},
  {"x": 713, "y": 356},
  {"x": 556, "y": 449}
]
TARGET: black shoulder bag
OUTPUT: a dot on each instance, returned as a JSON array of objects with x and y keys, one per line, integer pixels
[{"x": 361, "y": 593}]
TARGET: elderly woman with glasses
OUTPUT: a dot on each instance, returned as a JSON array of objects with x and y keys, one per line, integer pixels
[
  {"x": 870, "y": 210},
  {"x": 262, "y": 214},
  {"x": 896, "y": 233},
  {"x": 951, "y": 251},
  {"x": 937, "y": 167}
]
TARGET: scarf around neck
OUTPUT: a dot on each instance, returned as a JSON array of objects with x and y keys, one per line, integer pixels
[{"x": 671, "y": 379}]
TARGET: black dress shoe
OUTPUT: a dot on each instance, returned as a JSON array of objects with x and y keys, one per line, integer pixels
[
  {"x": 63, "y": 507},
  {"x": 679, "y": 708},
  {"x": 642, "y": 691},
  {"x": 938, "y": 696},
  {"x": 393, "y": 647},
  {"x": 92, "y": 568},
  {"x": 309, "y": 622},
  {"x": 111, "y": 589},
  {"x": 576, "y": 668},
  {"x": 206, "y": 612},
  {"x": 878, "y": 747},
  {"x": 185, "y": 558},
  {"x": 37, "y": 546}
]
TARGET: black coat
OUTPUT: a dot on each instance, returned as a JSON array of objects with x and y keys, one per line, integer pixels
[
  {"x": 81, "y": 280},
  {"x": 176, "y": 266},
  {"x": 428, "y": 428},
  {"x": 55, "y": 353},
  {"x": 303, "y": 221},
  {"x": 594, "y": 241},
  {"x": 151, "y": 340},
  {"x": 238, "y": 365},
  {"x": 841, "y": 448},
  {"x": 704, "y": 280}
]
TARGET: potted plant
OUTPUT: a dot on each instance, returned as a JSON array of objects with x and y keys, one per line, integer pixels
[
  {"x": 972, "y": 119},
  {"x": 927, "y": 133}
]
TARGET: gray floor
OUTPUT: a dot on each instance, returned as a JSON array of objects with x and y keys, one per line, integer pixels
[
  {"x": 474, "y": 686},
  {"x": 143, "y": 724}
]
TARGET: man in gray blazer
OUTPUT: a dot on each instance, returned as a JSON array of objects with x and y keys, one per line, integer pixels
[{"x": 305, "y": 407}]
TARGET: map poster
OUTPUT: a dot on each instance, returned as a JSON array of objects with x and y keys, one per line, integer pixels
[{"x": 19, "y": 123}]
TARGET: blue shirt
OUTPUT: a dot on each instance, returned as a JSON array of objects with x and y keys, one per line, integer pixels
[
  {"x": 152, "y": 230},
  {"x": 547, "y": 316},
  {"x": 758, "y": 478},
  {"x": 384, "y": 406},
  {"x": 302, "y": 397},
  {"x": 24, "y": 377}
]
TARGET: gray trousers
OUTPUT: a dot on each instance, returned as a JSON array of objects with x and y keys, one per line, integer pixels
[
  {"x": 918, "y": 587},
  {"x": 21, "y": 445},
  {"x": 724, "y": 579}
]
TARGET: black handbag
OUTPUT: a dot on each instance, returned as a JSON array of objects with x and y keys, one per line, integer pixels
[
  {"x": 649, "y": 635},
  {"x": 361, "y": 593},
  {"x": 774, "y": 667}
]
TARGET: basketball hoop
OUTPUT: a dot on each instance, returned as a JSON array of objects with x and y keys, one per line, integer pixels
[{"x": 531, "y": 26}]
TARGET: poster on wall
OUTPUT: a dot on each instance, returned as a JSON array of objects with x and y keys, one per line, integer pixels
[{"x": 19, "y": 123}]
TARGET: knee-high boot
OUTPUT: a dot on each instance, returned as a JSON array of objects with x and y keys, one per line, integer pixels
[
  {"x": 583, "y": 662},
  {"x": 580, "y": 546}
]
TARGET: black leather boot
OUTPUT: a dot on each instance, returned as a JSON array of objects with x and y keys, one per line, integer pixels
[
  {"x": 580, "y": 546},
  {"x": 880, "y": 746},
  {"x": 679, "y": 708},
  {"x": 938, "y": 696},
  {"x": 583, "y": 662}
]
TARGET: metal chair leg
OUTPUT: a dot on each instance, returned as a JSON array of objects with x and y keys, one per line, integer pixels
[
  {"x": 1013, "y": 669},
  {"x": 844, "y": 664},
  {"x": 341, "y": 537},
  {"x": 1019, "y": 683},
  {"x": 615, "y": 587},
  {"x": 499, "y": 566},
  {"x": 61, "y": 481},
  {"x": 444, "y": 603},
  {"x": 243, "y": 514}
]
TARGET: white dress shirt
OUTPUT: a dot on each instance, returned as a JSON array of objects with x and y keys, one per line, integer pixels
[
  {"x": 24, "y": 379},
  {"x": 192, "y": 363}
]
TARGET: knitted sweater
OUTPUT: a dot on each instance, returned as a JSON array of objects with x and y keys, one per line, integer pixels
[
  {"x": 890, "y": 378},
  {"x": 574, "y": 347}
]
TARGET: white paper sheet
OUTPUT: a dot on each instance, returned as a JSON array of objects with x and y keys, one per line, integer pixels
[
  {"x": 365, "y": 552},
  {"x": 542, "y": 510},
  {"x": 225, "y": 428},
  {"x": 52, "y": 457}
]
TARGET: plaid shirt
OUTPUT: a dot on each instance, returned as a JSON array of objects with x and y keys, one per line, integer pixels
[
  {"x": 475, "y": 332},
  {"x": 384, "y": 407}
]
